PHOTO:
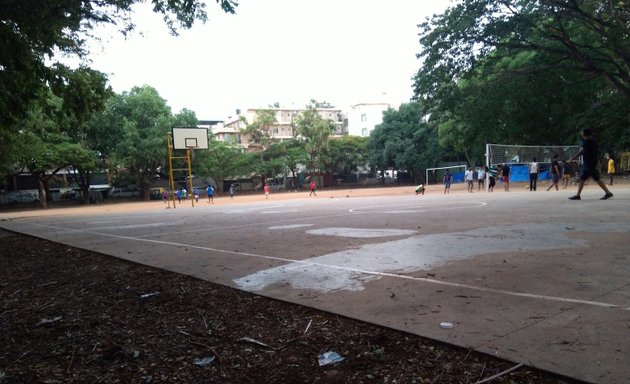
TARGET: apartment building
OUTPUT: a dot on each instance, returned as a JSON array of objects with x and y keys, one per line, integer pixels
[
  {"x": 364, "y": 117},
  {"x": 282, "y": 130}
]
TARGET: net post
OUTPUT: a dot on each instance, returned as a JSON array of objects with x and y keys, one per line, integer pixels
[{"x": 487, "y": 184}]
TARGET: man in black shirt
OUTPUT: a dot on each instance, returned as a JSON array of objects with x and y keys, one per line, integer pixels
[{"x": 590, "y": 154}]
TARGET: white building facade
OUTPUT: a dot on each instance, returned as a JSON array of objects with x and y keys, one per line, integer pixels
[{"x": 364, "y": 117}]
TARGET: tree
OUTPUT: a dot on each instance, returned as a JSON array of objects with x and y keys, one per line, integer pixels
[
  {"x": 525, "y": 72},
  {"x": 315, "y": 131},
  {"x": 290, "y": 154},
  {"x": 347, "y": 153},
  {"x": 33, "y": 32},
  {"x": 46, "y": 145},
  {"x": 587, "y": 36},
  {"x": 145, "y": 119},
  {"x": 221, "y": 161},
  {"x": 403, "y": 141},
  {"x": 259, "y": 131}
]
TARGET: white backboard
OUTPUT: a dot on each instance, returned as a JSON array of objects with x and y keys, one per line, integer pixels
[{"x": 195, "y": 138}]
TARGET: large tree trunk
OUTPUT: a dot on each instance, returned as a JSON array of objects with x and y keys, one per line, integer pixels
[
  {"x": 41, "y": 190},
  {"x": 84, "y": 184}
]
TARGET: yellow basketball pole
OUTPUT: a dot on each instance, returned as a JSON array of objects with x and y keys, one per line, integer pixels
[
  {"x": 190, "y": 178},
  {"x": 171, "y": 182}
]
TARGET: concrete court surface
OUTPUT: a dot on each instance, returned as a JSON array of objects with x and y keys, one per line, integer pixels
[{"x": 527, "y": 276}]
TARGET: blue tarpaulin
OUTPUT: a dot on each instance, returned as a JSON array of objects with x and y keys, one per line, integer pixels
[{"x": 520, "y": 172}]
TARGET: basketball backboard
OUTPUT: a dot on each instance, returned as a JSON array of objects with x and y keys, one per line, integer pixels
[{"x": 190, "y": 138}]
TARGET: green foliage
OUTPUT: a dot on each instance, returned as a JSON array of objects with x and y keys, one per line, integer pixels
[
  {"x": 404, "y": 141},
  {"x": 316, "y": 132},
  {"x": 347, "y": 153},
  {"x": 142, "y": 119},
  {"x": 259, "y": 131},
  {"x": 33, "y": 31},
  {"x": 525, "y": 72},
  {"x": 220, "y": 161},
  {"x": 287, "y": 155}
]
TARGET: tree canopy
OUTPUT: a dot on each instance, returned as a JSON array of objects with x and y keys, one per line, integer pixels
[
  {"x": 34, "y": 33},
  {"x": 526, "y": 72}
]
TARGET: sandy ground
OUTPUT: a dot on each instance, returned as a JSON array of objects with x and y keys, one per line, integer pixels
[{"x": 114, "y": 206}]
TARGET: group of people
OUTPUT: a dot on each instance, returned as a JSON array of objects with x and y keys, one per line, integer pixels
[{"x": 559, "y": 170}]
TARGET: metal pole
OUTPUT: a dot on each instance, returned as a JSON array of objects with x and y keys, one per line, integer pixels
[
  {"x": 171, "y": 182},
  {"x": 192, "y": 197}
]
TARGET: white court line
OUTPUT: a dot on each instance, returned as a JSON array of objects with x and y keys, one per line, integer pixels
[
  {"x": 366, "y": 272},
  {"x": 254, "y": 224},
  {"x": 421, "y": 207}
]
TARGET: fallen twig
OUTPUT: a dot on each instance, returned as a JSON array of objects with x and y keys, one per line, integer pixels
[
  {"x": 308, "y": 326},
  {"x": 514, "y": 368},
  {"x": 254, "y": 341},
  {"x": 214, "y": 352},
  {"x": 19, "y": 358},
  {"x": 71, "y": 360}
]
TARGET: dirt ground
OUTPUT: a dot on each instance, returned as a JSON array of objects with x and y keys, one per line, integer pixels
[{"x": 73, "y": 316}]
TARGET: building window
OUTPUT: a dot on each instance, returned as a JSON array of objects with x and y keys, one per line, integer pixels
[
  {"x": 364, "y": 132},
  {"x": 363, "y": 117}
]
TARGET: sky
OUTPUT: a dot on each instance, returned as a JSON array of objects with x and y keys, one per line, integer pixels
[{"x": 344, "y": 52}]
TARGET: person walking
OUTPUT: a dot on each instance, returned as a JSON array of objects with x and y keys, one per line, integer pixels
[
  {"x": 468, "y": 176},
  {"x": 266, "y": 189},
  {"x": 492, "y": 178},
  {"x": 611, "y": 168},
  {"x": 420, "y": 189},
  {"x": 555, "y": 173},
  {"x": 566, "y": 174},
  {"x": 590, "y": 153},
  {"x": 312, "y": 187},
  {"x": 505, "y": 176},
  {"x": 232, "y": 190},
  {"x": 533, "y": 174},
  {"x": 165, "y": 195},
  {"x": 447, "y": 181},
  {"x": 210, "y": 193},
  {"x": 196, "y": 194}
]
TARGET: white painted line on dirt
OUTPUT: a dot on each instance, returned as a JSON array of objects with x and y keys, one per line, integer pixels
[
  {"x": 253, "y": 224},
  {"x": 291, "y": 226},
  {"x": 360, "y": 232},
  {"x": 369, "y": 274},
  {"x": 415, "y": 207},
  {"x": 131, "y": 226}
]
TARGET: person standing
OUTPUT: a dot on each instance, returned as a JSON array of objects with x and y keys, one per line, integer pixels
[
  {"x": 447, "y": 181},
  {"x": 468, "y": 176},
  {"x": 505, "y": 176},
  {"x": 481, "y": 178},
  {"x": 611, "y": 168},
  {"x": 312, "y": 187},
  {"x": 590, "y": 153},
  {"x": 555, "y": 172},
  {"x": 210, "y": 192},
  {"x": 165, "y": 195},
  {"x": 196, "y": 194},
  {"x": 533, "y": 174},
  {"x": 266, "y": 189},
  {"x": 232, "y": 190},
  {"x": 180, "y": 194}
]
